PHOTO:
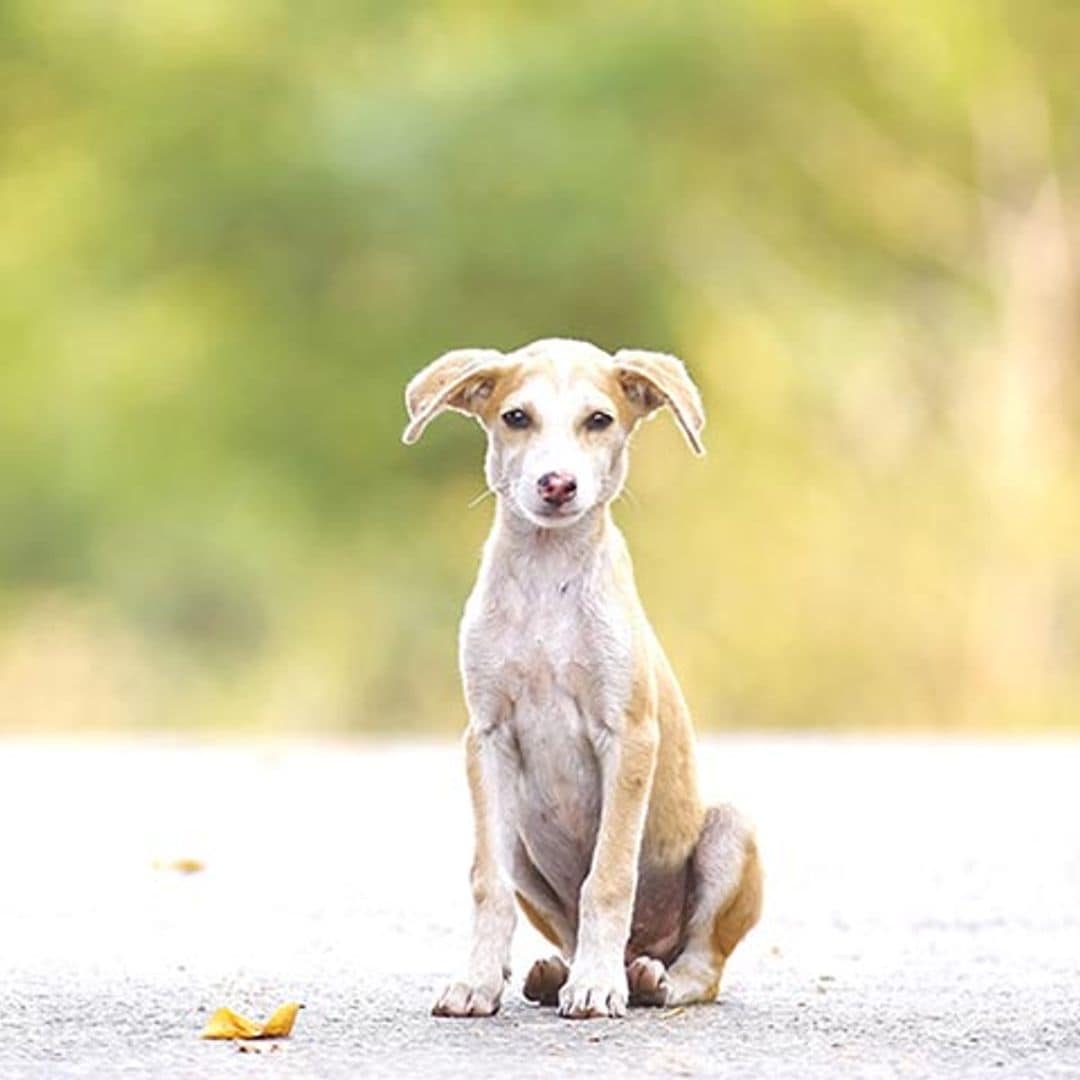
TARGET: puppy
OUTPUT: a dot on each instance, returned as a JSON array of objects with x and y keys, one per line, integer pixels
[{"x": 579, "y": 749}]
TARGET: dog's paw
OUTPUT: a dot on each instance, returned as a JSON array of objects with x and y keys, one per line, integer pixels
[
  {"x": 545, "y": 980},
  {"x": 587, "y": 996},
  {"x": 463, "y": 999},
  {"x": 648, "y": 982}
]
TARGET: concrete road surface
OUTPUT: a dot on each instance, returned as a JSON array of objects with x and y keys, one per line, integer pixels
[{"x": 923, "y": 915}]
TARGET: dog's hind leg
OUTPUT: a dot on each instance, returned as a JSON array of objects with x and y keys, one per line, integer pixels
[
  {"x": 727, "y": 887},
  {"x": 537, "y": 900},
  {"x": 545, "y": 979}
]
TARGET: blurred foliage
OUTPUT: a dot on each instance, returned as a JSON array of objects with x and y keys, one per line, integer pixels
[{"x": 232, "y": 231}]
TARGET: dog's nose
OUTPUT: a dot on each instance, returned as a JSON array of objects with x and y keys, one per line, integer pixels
[{"x": 557, "y": 488}]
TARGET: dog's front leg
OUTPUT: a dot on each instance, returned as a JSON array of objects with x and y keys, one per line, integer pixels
[
  {"x": 597, "y": 982},
  {"x": 479, "y": 990}
]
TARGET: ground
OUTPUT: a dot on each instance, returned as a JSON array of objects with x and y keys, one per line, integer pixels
[{"x": 922, "y": 917}]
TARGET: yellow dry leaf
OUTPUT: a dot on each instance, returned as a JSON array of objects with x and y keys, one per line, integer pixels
[
  {"x": 280, "y": 1024},
  {"x": 225, "y": 1024},
  {"x": 181, "y": 866}
]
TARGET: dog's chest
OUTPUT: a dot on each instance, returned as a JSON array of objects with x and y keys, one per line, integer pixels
[
  {"x": 549, "y": 663},
  {"x": 551, "y": 648}
]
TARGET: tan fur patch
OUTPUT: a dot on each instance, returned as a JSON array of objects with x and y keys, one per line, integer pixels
[
  {"x": 505, "y": 384},
  {"x": 743, "y": 910}
]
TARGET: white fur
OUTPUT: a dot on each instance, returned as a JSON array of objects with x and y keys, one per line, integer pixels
[{"x": 547, "y": 663}]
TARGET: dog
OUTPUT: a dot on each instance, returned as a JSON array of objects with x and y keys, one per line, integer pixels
[{"x": 579, "y": 747}]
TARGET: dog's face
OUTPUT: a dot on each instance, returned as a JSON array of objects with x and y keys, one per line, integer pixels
[{"x": 558, "y": 416}]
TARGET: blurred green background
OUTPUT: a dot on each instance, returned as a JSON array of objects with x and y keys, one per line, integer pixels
[{"x": 231, "y": 232}]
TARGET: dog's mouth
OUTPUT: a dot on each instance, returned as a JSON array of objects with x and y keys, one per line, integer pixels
[{"x": 548, "y": 516}]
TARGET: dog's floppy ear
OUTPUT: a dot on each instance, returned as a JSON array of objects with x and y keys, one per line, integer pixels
[
  {"x": 651, "y": 379},
  {"x": 461, "y": 380}
]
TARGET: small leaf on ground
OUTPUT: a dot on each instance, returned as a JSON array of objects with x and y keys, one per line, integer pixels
[
  {"x": 181, "y": 866},
  {"x": 225, "y": 1024},
  {"x": 281, "y": 1021}
]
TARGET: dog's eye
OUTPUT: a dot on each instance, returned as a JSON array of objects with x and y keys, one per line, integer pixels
[
  {"x": 516, "y": 418},
  {"x": 597, "y": 421}
]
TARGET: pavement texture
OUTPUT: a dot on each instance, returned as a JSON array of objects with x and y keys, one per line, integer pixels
[{"x": 922, "y": 915}]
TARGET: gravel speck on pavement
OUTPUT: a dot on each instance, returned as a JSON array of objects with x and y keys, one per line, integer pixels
[{"x": 922, "y": 915}]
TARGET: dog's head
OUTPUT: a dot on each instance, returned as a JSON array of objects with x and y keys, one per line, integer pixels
[{"x": 558, "y": 415}]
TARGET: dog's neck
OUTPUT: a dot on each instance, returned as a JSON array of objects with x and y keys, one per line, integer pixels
[{"x": 519, "y": 542}]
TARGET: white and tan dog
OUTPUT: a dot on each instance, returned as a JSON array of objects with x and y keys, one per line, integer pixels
[{"x": 579, "y": 748}]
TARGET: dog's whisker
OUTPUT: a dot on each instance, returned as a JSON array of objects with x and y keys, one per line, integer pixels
[{"x": 479, "y": 498}]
